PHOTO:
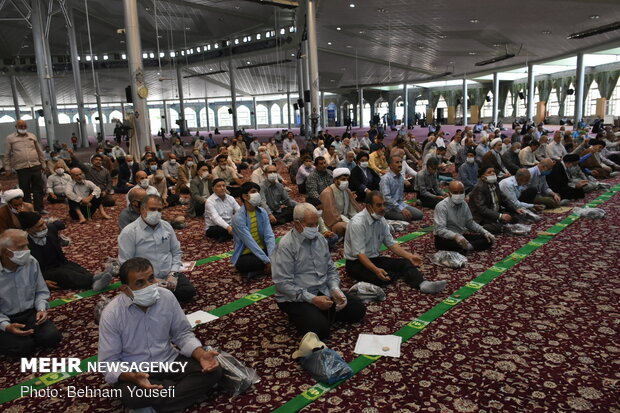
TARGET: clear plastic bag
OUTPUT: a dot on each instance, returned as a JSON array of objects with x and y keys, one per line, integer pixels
[
  {"x": 587, "y": 212},
  {"x": 518, "y": 229},
  {"x": 237, "y": 378},
  {"x": 397, "y": 226},
  {"x": 326, "y": 366},
  {"x": 450, "y": 259},
  {"x": 103, "y": 301},
  {"x": 367, "y": 292},
  {"x": 531, "y": 216}
]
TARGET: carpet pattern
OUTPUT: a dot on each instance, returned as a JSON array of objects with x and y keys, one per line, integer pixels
[{"x": 542, "y": 337}]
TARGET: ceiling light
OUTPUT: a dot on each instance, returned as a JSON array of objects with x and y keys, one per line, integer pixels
[
  {"x": 593, "y": 32},
  {"x": 210, "y": 68},
  {"x": 361, "y": 32},
  {"x": 248, "y": 62},
  {"x": 381, "y": 10},
  {"x": 237, "y": 7},
  {"x": 442, "y": 36},
  {"x": 594, "y": 16},
  {"x": 351, "y": 5},
  {"x": 472, "y": 53},
  {"x": 329, "y": 43},
  {"x": 349, "y": 46},
  {"x": 338, "y": 28},
  {"x": 292, "y": 54},
  {"x": 451, "y": 62},
  {"x": 332, "y": 80},
  {"x": 473, "y": 20},
  {"x": 495, "y": 59},
  {"x": 187, "y": 28},
  {"x": 497, "y": 44},
  {"x": 546, "y": 32},
  {"x": 420, "y": 47}
]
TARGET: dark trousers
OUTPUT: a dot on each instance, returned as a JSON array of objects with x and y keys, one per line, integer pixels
[
  {"x": 122, "y": 189},
  {"x": 307, "y": 317},
  {"x": 218, "y": 233},
  {"x": 185, "y": 290},
  {"x": 60, "y": 199},
  {"x": 284, "y": 216},
  {"x": 235, "y": 191},
  {"x": 196, "y": 209},
  {"x": 88, "y": 212},
  {"x": 571, "y": 193},
  {"x": 30, "y": 181},
  {"x": 478, "y": 241},
  {"x": 249, "y": 263},
  {"x": 395, "y": 267},
  {"x": 45, "y": 335},
  {"x": 190, "y": 387},
  {"x": 429, "y": 201},
  {"x": 108, "y": 201},
  {"x": 70, "y": 275}
]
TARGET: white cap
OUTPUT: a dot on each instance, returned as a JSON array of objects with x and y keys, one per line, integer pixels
[
  {"x": 341, "y": 171},
  {"x": 12, "y": 194}
]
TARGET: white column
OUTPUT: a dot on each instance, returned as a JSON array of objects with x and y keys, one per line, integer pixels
[
  {"x": 495, "y": 98},
  {"x": 44, "y": 72},
  {"x": 15, "y": 97},
  {"x": 233, "y": 91},
  {"x": 77, "y": 80},
  {"x": 579, "y": 88},
  {"x": 406, "y": 105},
  {"x": 530, "y": 92},
  {"x": 313, "y": 64},
  {"x": 465, "y": 103},
  {"x": 360, "y": 93},
  {"x": 182, "y": 127}
]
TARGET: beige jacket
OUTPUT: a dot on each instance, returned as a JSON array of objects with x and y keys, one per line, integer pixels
[{"x": 22, "y": 152}]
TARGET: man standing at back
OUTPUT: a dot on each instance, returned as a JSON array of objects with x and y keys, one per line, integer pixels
[{"x": 23, "y": 153}]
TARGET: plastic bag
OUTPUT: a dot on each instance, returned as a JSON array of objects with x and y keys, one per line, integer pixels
[
  {"x": 367, "y": 292},
  {"x": 531, "y": 216},
  {"x": 237, "y": 378},
  {"x": 587, "y": 212},
  {"x": 103, "y": 301},
  {"x": 326, "y": 366},
  {"x": 450, "y": 259},
  {"x": 112, "y": 266},
  {"x": 397, "y": 226},
  {"x": 518, "y": 229}
]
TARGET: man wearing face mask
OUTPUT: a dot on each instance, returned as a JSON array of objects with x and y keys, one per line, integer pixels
[
  {"x": 56, "y": 184},
  {"x": 489, "y": 206},
  {"x": 252, "y": 235},
  {"x": 493, "y": 159},
  {"x": 97, "y": 174},
  {"x": 57, "y": 270},
  {"x": 427, "y": 184},
  {"x": 392, "y": 187},
  {"x": 306, "y": 279},
  {"x": 132, "y": 212},
  {"x": 468, "y": 171},
  {"x": 363, "y": 178},
  {"x": 319, "y": 179},
  {"x": 227, "y": 173},
  {"x": 171, "y": 169},
  {"x": 339, "y": 203},
  {"x": 177, "y": 149},
  {"x": 510, "y": 158},
  {"x": 199, "y": 190},
  {"x": 23, "y": 154},
  {"x": 127, "y": 170},
  {"x": 288, "y": 143},
  {"x": 24, "y": 323},
  {"x": 275, "y": 199},
  {"x": 259, "y": 175},
  {"x": 219, "y": 210},
  {"x": 141, "y": 324},
  {"x": 455, "y": 228},
  {"x": 152, "y": 238},
  {"x": 15, "y": 204},
  {"x": 187, "y": 172},
  {"x": 84, "y": 197},
  {"x": 366, "y": 233},
  {"x": 320, "y": 151},
  {"x": 538, "y": 191}
]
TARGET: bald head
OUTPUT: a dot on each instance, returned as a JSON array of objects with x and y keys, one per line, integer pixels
[
  {"x": 523, "y": 176},
  {"x": 545, "y": 165},
  {"x": 77, "y": 174},
  {"x": 456, "y": 187},
  {"x": 140, "y": 175}
]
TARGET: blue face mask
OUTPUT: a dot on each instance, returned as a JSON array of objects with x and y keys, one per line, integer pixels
[{"x": 546, "y": 173}]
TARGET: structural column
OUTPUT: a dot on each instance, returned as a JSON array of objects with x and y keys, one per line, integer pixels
[
  {"x": 288, "y": 108},
  {"x": 530, "y": 92},
  {"x": 579, "y": 88},
  {"x": 495, "y": 98},
  {"x": 323, "y": 110},
  {"x": 207, "y": 114},
  {"x": 15, "y": 97},
  {"x": 99, "y": 111},
  {"x": 136, "y": 76},
  {"x": 313, "y": 64},
  {"x": 183, "y": 124},
  {"x": 465, "y": 103},
  {"x": 77, "y": 80},
  {"x": 406, "y": 106},
  {"x": 233, "y": 91},
  {"x": 43, "y": 71},
  {"x": 255, "y": 122},
  {"x": 360, "y": 93},
  {"x": 165, "y": 117}
]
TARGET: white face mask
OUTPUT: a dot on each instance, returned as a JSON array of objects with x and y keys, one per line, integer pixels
[
  {"x": 130, "y": 164},
  {"x": 272, "y": 177},
  {"x": 310, "y": 232},
  {"x": 40, "y": 234},
  {"x": 343, "y": 185},
  {"x": 255, "y": 199},
  {"x": 173, "y": 161},
  {"x": 223, "y": 167},
  {"x": 153, "y": 167},
  {"x": 517, "y": 150},
  {"x": 60, "y": 171},
  {"x": 22, "y": 131},
  {"x": 322, "y": 146},
  {"x": 458, "y": 198},
  {"x": 20, "y": 257},
  {"x": 146, "y": 296},
  {"x": 144, "y": 183},
  {"x": 152, "y": 217},
  {"x": 189, "y": 164},
  {"x": 471, "y": 160},
  {"x": 491, "y": 179},
  {"x": 364, "y": 164},
  {"x": 204, "y": 175}
]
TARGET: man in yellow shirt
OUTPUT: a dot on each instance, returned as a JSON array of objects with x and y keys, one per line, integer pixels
[{"x": 377, "y": 161}]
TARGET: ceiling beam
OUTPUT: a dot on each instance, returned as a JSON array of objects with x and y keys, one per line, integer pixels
[
  {"x": 23, "y": 92},
  {"x": 208, "y": 79},
  {"x": 377, "y": 61}
]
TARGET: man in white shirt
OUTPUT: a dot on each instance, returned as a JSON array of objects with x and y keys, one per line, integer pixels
[
  {"x": 320, "y": 150},
  {"x": 219, "y": 210},
  {"x": 288, "y": 143},
  {"x": 556, "y": 149},
  {"x": 56, "y": 184},
  {"x": 84, "y": 197}
]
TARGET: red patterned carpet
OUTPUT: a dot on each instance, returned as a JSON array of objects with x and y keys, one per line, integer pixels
[{"x": 541, "y": 337}]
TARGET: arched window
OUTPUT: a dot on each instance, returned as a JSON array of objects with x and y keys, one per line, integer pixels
[
  {"x": 508, "y": 105},
  {"x": 190, "y": 118},
  {"x": 553, "y": 106},
  {"x": 203, "y": 118},
  {"x": 26, "y": 117},
  {"x": 117, "y": 115},
  {"x": 243, "y": 116},
  {"x": 613, "y": 106},
  {"x": 75, "y": 118},
  {"x": 285, "y": 111},
  {"x": 276, "y": 114},
  {"x": 223, "y": 117},
  {"x": 589, "y": 108},
  {"x": 399, "y": 109},
  {"x": 366, "y": 112},
  {"x": 94, "y": 117},
  {"x": 174, "y": 116},
  {"x": 381, "y": 108},
  {"x": 262, "y": 117},
  {"x": 63, "y": 118},
  {"x": 442, "y": 104},
  {"x": 6, "y": 119},
  {"x": 487, "y": 107},
  {"x": 521, "y": 108},
  {"x": 569, "y": 105}
]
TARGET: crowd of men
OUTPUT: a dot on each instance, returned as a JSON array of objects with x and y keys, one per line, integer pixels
[{"x": 475, "y": 185}]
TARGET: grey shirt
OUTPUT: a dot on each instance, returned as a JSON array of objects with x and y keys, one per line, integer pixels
[
  {"x": 427, "y": 184},
  {"x": 170, "y": 170},
  {"x": 454, "y": 219},
  {"x": 274, "y": 196},
  {"x": 365, "y": 235}
]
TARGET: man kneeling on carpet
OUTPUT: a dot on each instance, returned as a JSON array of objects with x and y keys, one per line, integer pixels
[
  {"x": 306, "y": 279},
  {"x": 362, "y": 245},
  {"x": 141, "y": 324},
  {"x": 57, "y": 270},
  {"x": 253, "y": 238},
  {"x": 24, "y": 323}
]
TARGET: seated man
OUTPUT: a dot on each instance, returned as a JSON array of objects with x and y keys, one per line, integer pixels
[
  {"x": 305, "y": 169},
  {"x": 488, "y": 206},
  {"x": 538, "y": 191},
  {"x": 561, "y": 181},
  {"x": 187, "y": 172},
  {"x": 152, "y": 238},
  {"x": 392, "y": 187},
  {"x": 15, "y": 204},
  {"x": 348, "y": 161},
  {"x": 253, "y": 238},
  {"x": 259, "y": 175},
  {"x": 591, "y": 159},
  {"x": 468, "y": 171},
  {"x": 140, "y": 325},
  {"x": 219, "y": 210},
  {"x": 98, "y": 175},
  {"x": 275, "y": 199},
  {"x": 556, "y": 150},
  {"x": 24, "y": 323},
  {"x": 199, "y": 191},
  {"x": 577, "y": 176},
  {"x": 228, "y": 174},
  {"x": 158, "y": 181},
  {"x": 527, "y": 157},
  {"x": 453, "y": 218},
  {"x": 132, "y": 212},
  {"x": 367, "y": 231},
  {"x": 319, "y": 179},
  {"x": 57, "y": 270},
  {"x": 306, "y": 279},
  {"x": 338, "y": 202},
  {"x": 377, "y": 161},
  {"x": 84, "y": 197},
  {"x": 512, "y": 188},
  {"x": 363, "y": 178},
  {"x": 56, "y": 184},
  {"x": 171, "y": 169},
  {"x": 493, "y": 159},
  {"x": 510, "y": 158},
  {"x": 427, "y": 185}
]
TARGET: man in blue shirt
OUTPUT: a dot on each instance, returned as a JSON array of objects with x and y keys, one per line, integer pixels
[
  {"x": 253, "y": 238},
  {"x": 468, "y": 171},
  {"x": 140, "y": 325},
  {"x": 392, "y": 187},
  {"x": 24, "y": 322}
]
